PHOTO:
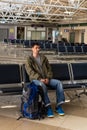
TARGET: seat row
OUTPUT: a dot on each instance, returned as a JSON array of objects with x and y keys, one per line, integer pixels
[
  {"x": 13, "y": 77},
  {"x": 60, "y": 48},
  {"x": 28, "y": 42},
  {"x": 72, "y": 75},
  {"x": 72, "y": 50},
  {"x": 25, "y": 43}
]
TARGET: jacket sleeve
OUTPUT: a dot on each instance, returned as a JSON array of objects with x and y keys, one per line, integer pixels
[{"x": 31, "y": 70}]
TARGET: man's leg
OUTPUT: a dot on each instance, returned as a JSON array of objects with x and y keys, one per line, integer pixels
[
  {"x": 60, "y": 98},
  {"x": 46, "y": 98}
]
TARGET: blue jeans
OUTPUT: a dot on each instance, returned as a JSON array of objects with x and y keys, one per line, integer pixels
[{"x": 55, "y": 84}]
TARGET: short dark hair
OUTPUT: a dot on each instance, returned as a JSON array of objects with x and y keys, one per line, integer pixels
[{"x": 35, "y": 43}]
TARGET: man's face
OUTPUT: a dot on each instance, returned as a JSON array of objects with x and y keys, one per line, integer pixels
[{"x": 36, "y": 49}]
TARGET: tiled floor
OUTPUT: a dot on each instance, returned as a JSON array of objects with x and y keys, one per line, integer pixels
[{"x": 75, "y": 116}]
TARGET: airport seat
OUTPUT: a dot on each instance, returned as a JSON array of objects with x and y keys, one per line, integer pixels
[
  {"x": 13, "y": 41},
  {"x": 78, "y": 49},
  {"x": 13, "y": 77},
  {"x": 79, "y": 75},
  {"x": 26, "y": 43},
  {"x": 61, "y": 50},
  {"x": 6, "y": 40},
  {"x": 47, "y": 46},
  {"x": 54, "y": 46},
  {"x": 10, "y": 79},
  {"x": 70, "y": 50},
  {"x": 18, "y": 41},
  {"x": 61, "y": 71},
  {"x": 84, "y": 48}
]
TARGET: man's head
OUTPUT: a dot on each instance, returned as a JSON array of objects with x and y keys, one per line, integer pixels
[
  {"x": 35, "y": 44},
  {"x": 35, "y": 48}
]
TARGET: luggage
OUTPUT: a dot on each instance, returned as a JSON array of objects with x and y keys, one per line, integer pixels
[{"x": 32, "y": 105}]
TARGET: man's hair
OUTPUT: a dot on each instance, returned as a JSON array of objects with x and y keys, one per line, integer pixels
[{"x": 35, "y": 43}]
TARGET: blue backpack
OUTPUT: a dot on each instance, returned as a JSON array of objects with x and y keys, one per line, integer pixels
[{"x": 32, "y": 105}]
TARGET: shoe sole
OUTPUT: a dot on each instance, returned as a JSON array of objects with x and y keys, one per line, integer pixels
[
  {"x": 62, "y": 114},
  {"x": 51, "y": 116}
]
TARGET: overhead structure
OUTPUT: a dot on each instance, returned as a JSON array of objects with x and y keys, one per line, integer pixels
[{"x": 43, "y": 11}]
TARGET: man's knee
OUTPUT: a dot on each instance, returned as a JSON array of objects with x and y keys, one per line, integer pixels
[{"x": 59, "y": 85}]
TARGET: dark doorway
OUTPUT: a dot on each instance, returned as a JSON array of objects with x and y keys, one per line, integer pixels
[{"x": 20, "y": 32}]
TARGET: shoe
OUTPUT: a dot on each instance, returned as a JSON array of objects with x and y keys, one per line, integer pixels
[
  {"x": 60, "y": 111},
  {"x": 50, "y": 113}
]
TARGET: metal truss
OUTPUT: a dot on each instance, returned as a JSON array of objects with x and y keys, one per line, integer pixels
[{"x": 43, "y": 11}]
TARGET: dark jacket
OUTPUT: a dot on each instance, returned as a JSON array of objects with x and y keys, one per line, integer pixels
[{"x": 33, "y": 70}]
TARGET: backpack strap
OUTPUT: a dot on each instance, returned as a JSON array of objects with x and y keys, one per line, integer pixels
[{"x": 34, "y": 90}]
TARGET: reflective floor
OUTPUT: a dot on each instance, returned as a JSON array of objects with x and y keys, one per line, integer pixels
[{"x": 75, "y": 116}]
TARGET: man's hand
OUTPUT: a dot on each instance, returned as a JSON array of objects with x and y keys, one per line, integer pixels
[{"x": 45, "y": 81}]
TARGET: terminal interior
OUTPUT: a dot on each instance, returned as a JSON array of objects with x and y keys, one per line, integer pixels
[{"x": 60, "y": 27}]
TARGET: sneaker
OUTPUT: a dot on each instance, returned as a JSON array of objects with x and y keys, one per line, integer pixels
[
  {"x": 50, "y": 113},
  {"x": 60, "y": 111}
]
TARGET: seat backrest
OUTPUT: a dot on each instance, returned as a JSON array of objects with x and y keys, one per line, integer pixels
[
  {"x": 54, "y": 46},
  {"x": 61, "y": 49},
  {"x": 79, "y": 71},
  {"x": 84, "y": 48},
  {"x": 70, "y": 49},
  {"x": 47, "y": 46},
  {"x": 25, "y": 75},
  {"x": 78, "y": 49},
  {"x": 42, "y": 46},
  {"x": 60, "y": 71},
  {"x": 10, "y": 73},
  {"x": 10, "y": 79}
]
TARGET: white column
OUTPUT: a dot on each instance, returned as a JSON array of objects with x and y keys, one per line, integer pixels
[
  {"x": 25, "y": 33},
  {"x": 15, "y": 32}
]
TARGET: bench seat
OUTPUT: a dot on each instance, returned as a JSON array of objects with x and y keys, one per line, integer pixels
[
  {"x": 13, "y": 77},
  {"x": 10, "y": 79}
]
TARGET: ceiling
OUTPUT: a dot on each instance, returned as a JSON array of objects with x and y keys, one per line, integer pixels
[{"x": 43, "y": 11}]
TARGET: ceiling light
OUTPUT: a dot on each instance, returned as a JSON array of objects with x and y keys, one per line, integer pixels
[
  {"x": 30, "y": 10},
  {"x": 67, "y": 18},
  {"x": 68, "y": 12}
]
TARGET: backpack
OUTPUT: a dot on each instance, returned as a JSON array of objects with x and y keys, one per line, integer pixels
[{"x": 32, "y": 105}]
